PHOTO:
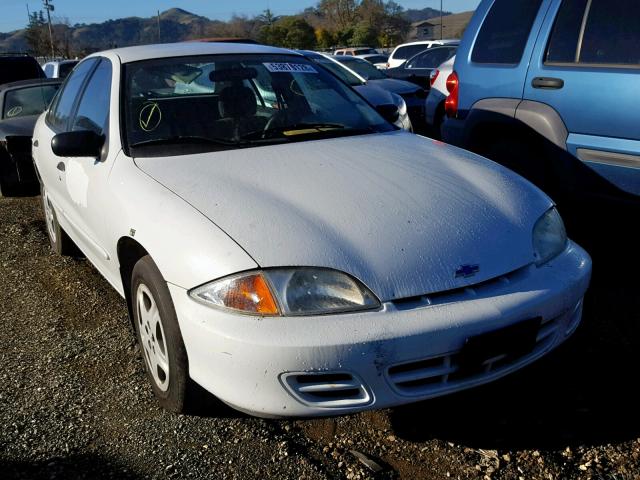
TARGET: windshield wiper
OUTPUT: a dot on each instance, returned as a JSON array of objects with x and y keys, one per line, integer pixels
[
  {"x": 318, "y": 127},
  {"x": 181, "y": 139}
]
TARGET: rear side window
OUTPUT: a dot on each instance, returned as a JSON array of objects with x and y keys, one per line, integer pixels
[
  {"x": 596, "y": 32},
  {"x": 505, "y": 31},
  {"x": 612, "y": 33},
  {"x": 563, "y": 42}
]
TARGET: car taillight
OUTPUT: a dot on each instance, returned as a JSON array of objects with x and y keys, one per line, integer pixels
[
  {"x": 451, "y": 103},
  {"x": 434, "y": 76}
]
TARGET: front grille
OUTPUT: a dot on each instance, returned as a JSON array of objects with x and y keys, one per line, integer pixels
[
  {"x": 329, "y": 390},
  {"x": 439, "y": 374},
  {"x": 460, "y": 294}
]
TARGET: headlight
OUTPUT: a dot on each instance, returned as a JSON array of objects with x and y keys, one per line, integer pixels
[
  {"x": 549, "y": 236},
  {"x": 403, "y": 115},
  {"x": 288, "y": 292}
]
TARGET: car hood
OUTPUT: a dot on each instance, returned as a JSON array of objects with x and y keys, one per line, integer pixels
[
  {"x": 400, "y": 212},
  {"x": 401, "y": 87},
  {"x": 374, "y": 95},
  {"x": 22, "y": 126}
]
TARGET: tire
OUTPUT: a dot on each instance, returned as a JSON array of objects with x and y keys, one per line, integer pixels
[
  {"x": 158, "y": 335},
  {"x": 61, "y": 244}
]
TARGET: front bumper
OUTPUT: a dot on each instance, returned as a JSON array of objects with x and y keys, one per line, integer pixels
[{"x": 328, "y": 365}]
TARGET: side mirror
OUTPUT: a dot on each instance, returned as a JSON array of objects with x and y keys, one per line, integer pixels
[
  {"x": 389, "y": 112},
  {"x": 84, "y": 143}
]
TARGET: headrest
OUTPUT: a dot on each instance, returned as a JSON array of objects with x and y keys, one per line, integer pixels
[{"x": 237, "y": 101}]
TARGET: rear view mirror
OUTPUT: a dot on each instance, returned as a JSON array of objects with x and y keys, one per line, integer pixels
[
  {"x": 84, "y": 143},
  {"x": 389, "y": 112}
]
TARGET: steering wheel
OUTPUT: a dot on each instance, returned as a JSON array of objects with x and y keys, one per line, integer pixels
[{"x": 272, "y": 122}]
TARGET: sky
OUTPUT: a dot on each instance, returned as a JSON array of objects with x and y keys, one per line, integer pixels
[{"x": 13, "y": 13}]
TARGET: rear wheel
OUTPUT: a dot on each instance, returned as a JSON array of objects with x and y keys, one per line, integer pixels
[
  {"x": 159, "y": 337},
  {"x": 61, "y": 244}
]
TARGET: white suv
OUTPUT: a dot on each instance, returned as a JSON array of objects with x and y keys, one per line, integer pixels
[{"x": 407, "y": 50}]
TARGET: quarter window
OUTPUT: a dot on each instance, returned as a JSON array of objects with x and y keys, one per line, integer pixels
[
  {"x": 93, "y": 110},
  {"x": 505, "y": 31},
  {"x": 61, "y": 111}
]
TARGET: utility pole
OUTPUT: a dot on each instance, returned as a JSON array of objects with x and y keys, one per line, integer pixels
[
  {"x": 159, "y": 37},
  {"x": 441, "y": 27},
  {"x": 48, "y": 6}
]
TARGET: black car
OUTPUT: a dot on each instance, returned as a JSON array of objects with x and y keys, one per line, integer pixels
[
  {"x": 413, "y": 96},
  {"x": 14, "y": 67},
  {"x": 21, "y": 103},
  {"x": 419, "y": 67}
]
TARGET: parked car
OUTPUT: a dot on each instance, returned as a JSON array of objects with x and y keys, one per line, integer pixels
[
  {"x": 304, "y": 258},
  {"x": 391, "y": 105},
  {"x": 355, "y": 51},
  {"x": 59, "y": 68},
  {"x": 376, "y": 59},
  {"x": 15, "y": 67},
  {"x": 413, "y": 96},
  {"x": 20, "y": 105},
  {"x": 556, "y": 81},
  {"x": 419, "y": 67},
  {"x": 405, "y": 51},
  {"x": 438, "y": 94}
]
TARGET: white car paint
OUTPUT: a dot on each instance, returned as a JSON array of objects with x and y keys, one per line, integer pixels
[
  {"x": 396, "y": 62},
  {"x": 399, "y": 212},
  {"x": 439, "y": 93}
]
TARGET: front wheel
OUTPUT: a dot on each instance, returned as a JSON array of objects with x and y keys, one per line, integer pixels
[{"x": 159, "y": 337}]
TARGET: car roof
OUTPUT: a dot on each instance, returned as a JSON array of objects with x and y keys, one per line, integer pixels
[
  {"x": 444, "y": 42},
  {"x": 185, "y": 49},
  {"x": 61, "y": 62},
  {"x": 33, "y": 82}
]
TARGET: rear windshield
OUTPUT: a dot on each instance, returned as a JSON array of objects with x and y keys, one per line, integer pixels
[
  {"x": 505, "y": 31},
  {"x": 13, "y": 69},
  {"x": 28, "y": 101},
  {"x": 362, "y": 68},
  {"x": 402, "y": 53}
]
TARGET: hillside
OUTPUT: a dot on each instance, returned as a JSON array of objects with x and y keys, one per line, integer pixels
[{"x": 415, "y": 15}]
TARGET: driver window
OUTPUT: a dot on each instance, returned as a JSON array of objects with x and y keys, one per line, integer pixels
[{"x": 93, "y": 110}]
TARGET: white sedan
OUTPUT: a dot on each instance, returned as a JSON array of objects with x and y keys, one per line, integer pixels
[{"x": 297, "y": 257}]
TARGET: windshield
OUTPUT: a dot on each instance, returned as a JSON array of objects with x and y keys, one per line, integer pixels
[
  {"x": 362, "y": 68},
  {"x": 28, "y": 101},
  {"x": 177, "y": 106}
]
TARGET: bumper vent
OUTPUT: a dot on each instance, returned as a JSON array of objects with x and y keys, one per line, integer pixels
[{"x": 328, "y": 390}]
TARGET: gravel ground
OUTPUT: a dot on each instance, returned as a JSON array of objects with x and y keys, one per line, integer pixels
[{"x": 74, "y": 402}]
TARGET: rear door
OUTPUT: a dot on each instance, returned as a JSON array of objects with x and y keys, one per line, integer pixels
[{"x": 587, "y": 67}]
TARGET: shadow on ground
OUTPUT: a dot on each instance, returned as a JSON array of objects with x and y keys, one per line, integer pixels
[
  {"x": 74, "y": 467},
  {"x": 583, "y": 393}
]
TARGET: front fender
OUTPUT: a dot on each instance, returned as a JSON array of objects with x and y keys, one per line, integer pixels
[{"x": 188, "y": 248}]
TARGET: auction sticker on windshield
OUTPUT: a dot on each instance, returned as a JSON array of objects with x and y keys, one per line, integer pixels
[{"x": 289, "y": 67}]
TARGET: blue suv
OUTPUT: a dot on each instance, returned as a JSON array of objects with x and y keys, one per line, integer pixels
[{"x": 551, "y": 89}]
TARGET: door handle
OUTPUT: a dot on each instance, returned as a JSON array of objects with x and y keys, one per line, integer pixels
[
  {"x": 547, "y": 83},
  {"x": 61, "y": 167}
]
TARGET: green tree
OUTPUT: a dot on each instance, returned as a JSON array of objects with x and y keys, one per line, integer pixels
[
  {"x": 324, "y": 38},
  {"x": 364, "y": 34},
  {"x": 289, "y": 32}
]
